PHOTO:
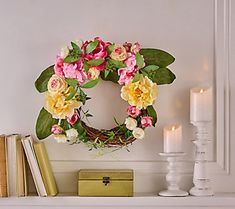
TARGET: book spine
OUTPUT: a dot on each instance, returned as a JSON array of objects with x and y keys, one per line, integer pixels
[
  {"x": 20, "y": 180},
  {"x": 33, "y": 164},
  {"x": 46, "y": 169},
  {"x": 3, "y": 170}
]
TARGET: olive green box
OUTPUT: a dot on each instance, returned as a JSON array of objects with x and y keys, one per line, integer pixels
[{"x": 105, "y": 183}]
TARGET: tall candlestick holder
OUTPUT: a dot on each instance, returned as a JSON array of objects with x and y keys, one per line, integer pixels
[
  {"x": 173, "y": 176},
  {"x": 201, "y": 180}
]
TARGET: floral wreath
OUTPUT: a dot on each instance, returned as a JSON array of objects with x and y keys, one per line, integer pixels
[{"x": 138, "y": 71}]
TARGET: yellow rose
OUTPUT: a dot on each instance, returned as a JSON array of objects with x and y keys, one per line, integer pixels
[
  {"x": 119, "y": 53},
  {"x": 141, "y": 93},
  {"x": 56, "y": 84},
  {"x": 59, "y": 107},
  {"x": 93, "y": 73}
]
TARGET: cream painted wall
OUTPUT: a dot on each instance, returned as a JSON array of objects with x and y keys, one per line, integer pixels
[{"x": 32, "y": 33}]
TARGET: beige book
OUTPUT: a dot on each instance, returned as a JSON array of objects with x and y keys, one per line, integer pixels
[
  {"x": 45, "y": 168},
  {"x": 11, "y": 164},
  {"x": 21, "y": 181},
  {"x": 33, "y": 165},
  {"x": 16, "y": 171},
  {"x": 3, "y": 171}
]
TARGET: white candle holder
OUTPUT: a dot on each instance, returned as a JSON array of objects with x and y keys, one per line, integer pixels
[
  {"x": 173, "y": 176},
  {"x": 201, "y": 180}
]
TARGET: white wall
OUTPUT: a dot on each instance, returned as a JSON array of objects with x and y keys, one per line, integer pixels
[{"x": 32, "y": 33}]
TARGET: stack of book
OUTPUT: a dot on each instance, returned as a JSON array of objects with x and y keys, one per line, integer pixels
[{"x": 14, "y": 150}]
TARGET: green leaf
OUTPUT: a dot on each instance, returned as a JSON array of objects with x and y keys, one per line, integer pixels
[
  {"x": 41, "y": 82},
  {"x": 91, "y": 46},
  {"x": 72, "y": 94},
  {"x": 112, "y": 76},
  {"x": 44, "y": 124},
  {"x": 136, "y": 78},
  {"x": 81, "y": 131},
  {"x": 106, "y": 73},
  {"x": 111, "y": 135},
  {"x": 90, "y": 84},
  {"x": 72, "y": 58},
  {"x": 82, "y": 97},
  {"x": 86, "y": 66},
  {"x": 72, "y": 82},
  {"x": 95, "y": 62},
  {"x": 76, "y": 48},
  {"x": 151, "y": 112},
  {"x": 116, "y": 64},
  {"x": 157, "y": 57},
  {"x": 139, "y": 60},
  {"x": 150, "y": 68},
  {"x": 64, "y": 124},
  {"x": 159, "y": 75},
  {"x": 128, "y": 134},
  {"x": 110, "y": 48}
]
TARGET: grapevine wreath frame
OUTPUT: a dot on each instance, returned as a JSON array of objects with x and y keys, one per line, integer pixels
[{"x": 138, "y": 70}]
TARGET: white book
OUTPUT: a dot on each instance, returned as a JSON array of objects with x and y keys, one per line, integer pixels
[
  {"x": 11, "y": 164},
  {"x": 33, "y": 164},
  {"x": 16, "y": 170}
]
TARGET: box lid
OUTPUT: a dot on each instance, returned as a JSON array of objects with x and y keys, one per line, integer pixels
[{"x": 118, "y": 174}]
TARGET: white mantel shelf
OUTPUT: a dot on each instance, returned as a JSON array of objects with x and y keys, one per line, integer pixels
[{"x": 139, "y": 201}]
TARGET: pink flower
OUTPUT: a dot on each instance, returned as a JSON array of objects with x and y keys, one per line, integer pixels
[
  {"x": 127, "y": 74},
  {"x": 146, "y": 121},
  {"x": 73, "y": 119},
  {"x": 70, "y": 70},
  {"x": 100, "y": 51},
  {"x": 135, "y": 48},
  {"x": 56, "y": 129},
  {"x": 133, "y": 111},
  {"x": 59, "y": 65},
  {"x": 75, "y": 70},
  {"x": 130, "y": 61}
]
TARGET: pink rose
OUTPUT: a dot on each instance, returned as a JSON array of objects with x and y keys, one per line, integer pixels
[
  {"x": 146, "y": 121},
  {"x": 59, "y": 66},
  {"x": 135, "y": 48},
  {"x": 100, "y": 51},
  {"x": 56, "y": 129},
  {"x": 128, "y": 73},
  {"x": 73, "y": 119},
  {"x": 75, "y": 70},
  {"x": 130, "y": 61},
  {"x": 133, "y": 111},
  {"x": 119, "y": 53},
  {"x": 125, "y": 76}
]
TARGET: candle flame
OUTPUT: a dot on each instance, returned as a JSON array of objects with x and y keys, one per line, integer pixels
[
  {"x": 173, "y": 128},
  {"x": 201, "y": 90}
]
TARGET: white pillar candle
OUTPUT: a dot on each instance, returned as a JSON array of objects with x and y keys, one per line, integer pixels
[
  {"x": 172, "y": 138},
  {"x": 200, "y": 104}
]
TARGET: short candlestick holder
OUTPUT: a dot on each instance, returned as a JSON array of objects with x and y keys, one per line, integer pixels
[
  {"x": 173, "y": 176},
  {"x": 201, "y": 180}
]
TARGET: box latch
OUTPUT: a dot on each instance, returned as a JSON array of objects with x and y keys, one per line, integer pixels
[{"x": 106, "y": 180}]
